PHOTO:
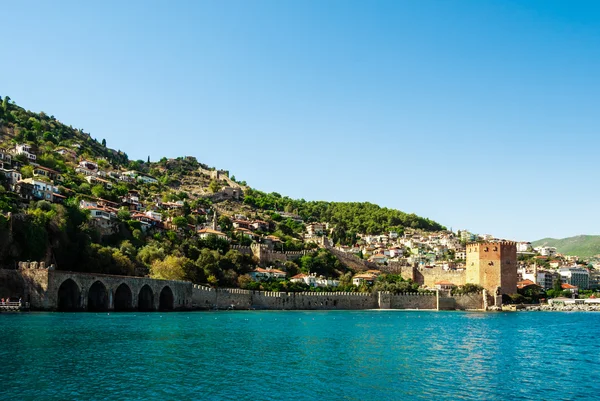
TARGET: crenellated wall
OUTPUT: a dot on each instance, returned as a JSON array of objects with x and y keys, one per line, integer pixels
[
  {"x": 42, "y": 289},
  {"x": 209, "y": 298}
]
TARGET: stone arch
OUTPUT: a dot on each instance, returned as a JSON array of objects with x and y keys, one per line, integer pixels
[
  {"x": 146, "y": 298},
  {"x": 123, "y": 300},
  {"x": 166, "y": 300},
  {"x": 69, "y": 296},
  {"x": 97, "y": 297}
]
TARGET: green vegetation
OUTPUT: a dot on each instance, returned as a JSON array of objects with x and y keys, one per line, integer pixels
[
  {"x": 66, "y": 235},
  {"x": 467, "y": 289},
  {"x": 583, "y": 246},
  {"x": 395, "y": 284},
  {"x": 349, "y": 218}
]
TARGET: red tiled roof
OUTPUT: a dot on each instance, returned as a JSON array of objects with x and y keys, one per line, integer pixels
[
  {"x": 444, "y": 282},
  {"x": 566, "y": 286}
]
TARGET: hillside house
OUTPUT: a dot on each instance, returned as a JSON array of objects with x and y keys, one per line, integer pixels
[
  {"x": 260, "y": 225},
  {"x": 42, "y": 171},
  {"x": 205, "y": 232},
  {"x": 260, "y": 274},
  {"x": 93, "y": 180},
  {"x": 67, "y": 153},
  {"x": 146, "y": 179},
  {"x": 154, "y": 215},
  {"x": 103, "y": 219},
  {"x": 245, "y": 224},
  {"x": 12, "y": 176},
  {"x": 315, "y": 229},
  {"x": 42, "y": 190},
  {"x": 364, "y": 278},
  {"x": 5, "y": 159},
  {"x": 147, "y": 222},
  {"x": 24, "y": 149}
]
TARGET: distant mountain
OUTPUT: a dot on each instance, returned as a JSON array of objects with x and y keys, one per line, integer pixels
[{"x": 584, "y": 246}]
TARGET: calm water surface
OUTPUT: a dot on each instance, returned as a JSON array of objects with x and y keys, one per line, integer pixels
[{"x": 366, "y": 355}]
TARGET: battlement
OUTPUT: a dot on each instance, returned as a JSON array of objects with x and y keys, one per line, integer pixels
[{"x": 503, "y": 244}]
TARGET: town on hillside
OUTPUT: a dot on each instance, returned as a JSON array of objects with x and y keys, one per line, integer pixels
[{"x": 73, "y": 203}]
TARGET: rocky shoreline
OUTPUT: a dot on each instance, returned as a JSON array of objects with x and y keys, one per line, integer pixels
[{"x": 562, "y": 308}]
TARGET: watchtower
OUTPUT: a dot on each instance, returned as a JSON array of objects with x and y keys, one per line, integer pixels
[{"x": 493, "y": 265}]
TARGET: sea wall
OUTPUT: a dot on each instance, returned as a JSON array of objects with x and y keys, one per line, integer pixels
[
  {"x": 469, "y": 302},
  {"x": 413, "y": 301},
  {"x": 209, "y": 298}
]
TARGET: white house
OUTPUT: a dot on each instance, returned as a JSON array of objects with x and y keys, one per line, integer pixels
[
  {"x": 41, "y": 189},
  {"x": 154, "y": 215},
  {"x": 13, "y": 176},
  {"x": 546, "y": 250},
  {"x": 260, "y": 274},
  {"x": 366, "y": 278},
  {"x": 5, "y": 159},
  {"x": 146, "y": 179},
  {"x": 24, "y": 149}
]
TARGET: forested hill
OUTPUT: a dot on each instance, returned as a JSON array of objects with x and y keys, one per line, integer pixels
[
  {"x": 349, "y": 218},
  {"x": 47, "y": 133},
  {"x": 584, "y": 246},
  {"x": 67, "y": 198}
]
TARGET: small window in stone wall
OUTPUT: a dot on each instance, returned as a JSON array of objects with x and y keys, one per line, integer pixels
[
  {"x": 491, "y": 263},
  {"x": 495, "y": 249},
  {"x": 486, "y": 249}
]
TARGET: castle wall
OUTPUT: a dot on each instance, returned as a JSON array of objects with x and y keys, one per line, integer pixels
[
  {"x": 429, "y": 276},
  {"x": 413, "y": 301},
  {"x": 469, "y": 302}
]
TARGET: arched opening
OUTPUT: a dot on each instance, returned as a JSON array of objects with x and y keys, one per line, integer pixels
[
  {"x": 97, "y": 298},
  {"x": 165, "y": 301},
  {"x": 69, "y": 296},
  {"x": 123, "y": 298},
  {"x": 146, "y": 299}
]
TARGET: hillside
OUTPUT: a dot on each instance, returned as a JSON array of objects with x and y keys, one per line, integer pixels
[
  {"x": 83, "y": 206},
  {"x": 584, "y": 246}
]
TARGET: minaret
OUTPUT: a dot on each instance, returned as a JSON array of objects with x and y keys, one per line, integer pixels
[
  {"x": 535, "y": 272},
  {"x": 214, "y": 222}
]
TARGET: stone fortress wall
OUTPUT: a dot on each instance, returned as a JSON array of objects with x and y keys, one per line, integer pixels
[{"x": 210, "y": 298}]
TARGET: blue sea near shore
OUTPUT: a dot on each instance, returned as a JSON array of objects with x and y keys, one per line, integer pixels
[{"x": 277, "y": 355}]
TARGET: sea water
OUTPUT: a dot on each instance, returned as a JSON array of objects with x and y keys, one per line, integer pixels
[{"x": 281, "y": 355}]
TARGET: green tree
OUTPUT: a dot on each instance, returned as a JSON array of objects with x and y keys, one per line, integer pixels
[
  {"x": 104, "y": 142},
  {"x": 557, "y": 285},
  {"x": 213, "y": 186},
  {"x": 171, "y": 268},
  {"x": 180, "y": 222},
  {"x": 27, "y": 171}
]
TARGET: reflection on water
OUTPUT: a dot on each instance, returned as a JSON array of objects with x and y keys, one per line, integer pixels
[{"x": 365, "y": 355}]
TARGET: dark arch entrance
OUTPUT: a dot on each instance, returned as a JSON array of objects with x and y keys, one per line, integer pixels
[
  {"x": 69, "y": 296},
  {"x": 97, "y": 298},
  {"x": 146, "y": 299},
  {"x": 123, "y": 298},
  {"x": 165, "y": 301}
]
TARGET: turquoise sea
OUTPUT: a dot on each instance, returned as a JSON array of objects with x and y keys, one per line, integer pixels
[{"x": 277, "y": 355}]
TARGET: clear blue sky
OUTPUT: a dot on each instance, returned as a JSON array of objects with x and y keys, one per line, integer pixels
[{"x": 481, "y": 115}]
